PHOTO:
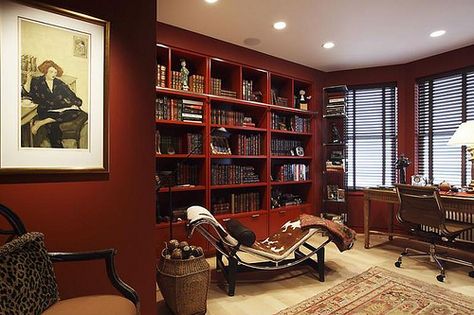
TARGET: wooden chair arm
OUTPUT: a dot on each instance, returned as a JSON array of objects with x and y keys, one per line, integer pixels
[{"x": 108, "y": 255}]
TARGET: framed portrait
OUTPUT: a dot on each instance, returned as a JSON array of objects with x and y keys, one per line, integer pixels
[{"x": 53, "y": 90}]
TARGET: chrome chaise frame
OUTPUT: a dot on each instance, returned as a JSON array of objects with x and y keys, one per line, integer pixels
[{"x": 229, "y": 248}]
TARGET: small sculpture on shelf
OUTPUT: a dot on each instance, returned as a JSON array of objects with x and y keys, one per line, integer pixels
[
  {"x": 302, "y": 100},
  {"x": 335, "y": 136},
  {"x": 184, "y": 74},
  {"x": 401, "y": 165}
]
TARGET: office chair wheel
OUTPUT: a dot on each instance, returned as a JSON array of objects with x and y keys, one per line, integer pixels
[
  {"x": 398, "y": 264},
  {"x": 440, "y": 278},
  {"x": 471, "y": 274}
]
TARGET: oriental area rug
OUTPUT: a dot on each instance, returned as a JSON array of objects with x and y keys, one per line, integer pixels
[{"x": 378, "y": 291}]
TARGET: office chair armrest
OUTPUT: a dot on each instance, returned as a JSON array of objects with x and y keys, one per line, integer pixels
[{"x": 108, "y": 255}]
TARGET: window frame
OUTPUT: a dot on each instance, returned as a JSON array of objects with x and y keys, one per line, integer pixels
[
  {"x": 430, "y": 78},
  {"x": 380, "y": 85}
]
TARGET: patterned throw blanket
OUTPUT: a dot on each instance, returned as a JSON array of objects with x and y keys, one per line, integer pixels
[{"x": 342, "y": 236}]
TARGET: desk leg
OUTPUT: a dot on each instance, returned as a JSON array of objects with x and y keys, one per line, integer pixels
[
  {"x": 366, "y": 222},
  {"x": 390, "y": 222}
]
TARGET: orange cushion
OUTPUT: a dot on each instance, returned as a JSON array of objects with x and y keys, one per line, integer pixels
[{"x": 93, "y": 305}]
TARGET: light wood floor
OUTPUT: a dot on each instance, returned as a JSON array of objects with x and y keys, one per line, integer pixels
[{"x": 268, "y": 292}]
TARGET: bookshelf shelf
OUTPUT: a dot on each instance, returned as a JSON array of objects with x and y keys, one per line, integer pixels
[
  {"x": 333, "y": 201},
  {"x": 224, "y": 156},
  {"x": 232, "y": 186},
  {"x": 290, "y": 208},
  {"x": 281, "y": 157},
  {"x": 294, "y": 182},
  {"x": 180, "y": 156},
  {"x": 214, "y": 106},
  {"x": 239, "y": 128},
  {"x": 293, "y": 133},
  {"x": 180, "y": 93},
  {"x": 179, "y": 123},
  {"x": 334, "y": 144},
  {"x": 182, "y": 188}
]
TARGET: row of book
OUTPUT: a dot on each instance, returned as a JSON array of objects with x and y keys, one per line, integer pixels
[
  {"x": 237, "y": 202},
  {"x": 171, "y": 144},
  {"x": 185, "y": 174},
  {"x": 230, "y": 117},
  {"x": 247, "y": 90},
  {"x": 216, "y": 85},
  {"x": 284, "y": 147},
  {"x": 196, "y": 83},
  {"x": 229, "y": 174},
  {"x": 160, "y": 75},
  {"x": 179, "y": 109},
  {"x": 291, "y": 172},
  {"x": 291, "y": 123},
  {"x": 247, "y": 144}
]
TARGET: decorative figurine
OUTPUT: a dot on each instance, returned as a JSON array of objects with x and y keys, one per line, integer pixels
[
  {"x": 401, "y": 165},
  {"x": 302, "y": 100},
  {"x": 335, "y": 136},
  {"x": 184, "y": 73}
]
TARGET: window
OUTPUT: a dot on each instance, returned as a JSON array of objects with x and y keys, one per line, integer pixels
[
  {"x": 444, "y": 102},
  {"x": 371, "y": 135}
]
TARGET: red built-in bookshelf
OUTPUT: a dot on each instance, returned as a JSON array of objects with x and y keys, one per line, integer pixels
[{"x": 267, "y": 218}]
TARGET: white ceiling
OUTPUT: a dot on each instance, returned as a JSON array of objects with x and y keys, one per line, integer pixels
[{"x": 367, "y": 33}]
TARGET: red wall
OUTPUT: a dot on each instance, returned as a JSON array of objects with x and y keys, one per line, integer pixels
[
  {"x": 405, "y": 76},
  {"x": 86, "y": 212}
]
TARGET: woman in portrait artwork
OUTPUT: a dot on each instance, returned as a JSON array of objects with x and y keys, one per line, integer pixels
[{"x": 57, "y": 103}]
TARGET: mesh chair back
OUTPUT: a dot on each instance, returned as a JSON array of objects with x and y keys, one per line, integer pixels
[{"x": 420, "y": 206}]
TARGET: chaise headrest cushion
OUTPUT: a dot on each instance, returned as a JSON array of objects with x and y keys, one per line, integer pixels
[{"x": 242, "y": 234}]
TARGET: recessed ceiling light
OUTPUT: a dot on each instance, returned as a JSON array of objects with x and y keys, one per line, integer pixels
[
  {"x": 279, "y": 25},
  {"x": 438, "y": 33},
  {"x": 211, "y": 1},
  {"x": 328, "y": 45}
]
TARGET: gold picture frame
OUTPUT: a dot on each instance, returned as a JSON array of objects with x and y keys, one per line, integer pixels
[{"x": 53, "y": 90}]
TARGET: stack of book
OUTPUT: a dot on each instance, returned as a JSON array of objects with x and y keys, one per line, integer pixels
[
  {"x": 228, "y": 93},
  {"x": 227, "y": 117},
  {"x": 196, "y": 83},
  {"x": 179, "y": 109},
  {"x": 247, "y": 144},
  {"x": 176, "y": 80},
  {"x": 283, "y": 147},
  {"x": 227, "y": 174},
  {"x": 216, "y": 85},
  {"x": 292, "y": 172},
  {"x": 192, "y": 111},
  {"x": 160, "y": 75},
  {"x": 336, "y": 106},
  {"x": 247, "y": 90}
]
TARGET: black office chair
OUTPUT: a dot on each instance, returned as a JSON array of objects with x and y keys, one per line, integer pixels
[{"x": 422, "y": 207}]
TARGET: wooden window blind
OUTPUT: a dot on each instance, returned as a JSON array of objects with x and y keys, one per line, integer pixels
[
  {"x": 443, "y": 103},
  {"x": 371, "y": 135}
]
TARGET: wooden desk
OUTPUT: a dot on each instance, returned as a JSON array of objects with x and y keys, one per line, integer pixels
[{"x": 458, "y": 207}]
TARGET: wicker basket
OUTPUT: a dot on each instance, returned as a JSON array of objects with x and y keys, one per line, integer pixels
[{"x": 184, "y": 284}]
